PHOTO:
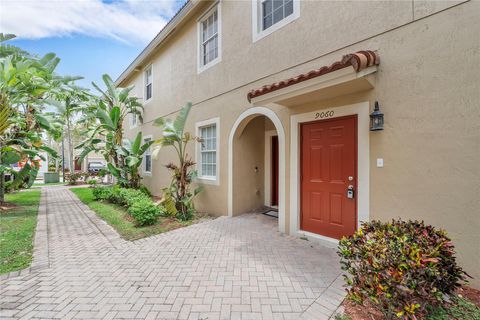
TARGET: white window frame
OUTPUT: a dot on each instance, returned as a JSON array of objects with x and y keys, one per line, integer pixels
[
  {"x": 145, "y": 100},
  {"x": 198, "y": 154},
  {"x": 200, "y": 66},
  {"x": 144, "y": 172},
  {"x": 257, "y": 32}
]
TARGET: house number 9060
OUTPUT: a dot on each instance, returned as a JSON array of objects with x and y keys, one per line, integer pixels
[{"x": 324, "y": 114}]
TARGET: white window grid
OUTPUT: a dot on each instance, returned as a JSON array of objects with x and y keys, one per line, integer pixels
[
  {"x": 274, "y": 11},
  {"x": 209, "y": 37},
  {"x": 208, "y": 151}
]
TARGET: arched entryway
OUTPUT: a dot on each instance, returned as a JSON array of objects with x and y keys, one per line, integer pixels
[{"x": 249, "y": 132}]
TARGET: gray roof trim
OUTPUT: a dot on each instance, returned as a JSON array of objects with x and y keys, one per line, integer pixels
[{"x": 179, "y": 17}]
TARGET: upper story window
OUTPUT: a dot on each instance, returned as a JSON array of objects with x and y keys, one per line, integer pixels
[
  {"x": 207, "y": 155},
  {"x": 274, "y": 11},
  {"x": 148, "y": 83},
  {"x": 209, "y": 38},
  {"x": 271, "y": 15}
]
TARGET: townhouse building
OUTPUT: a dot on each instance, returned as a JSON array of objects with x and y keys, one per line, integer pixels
[{"x": 330, "y": 112}]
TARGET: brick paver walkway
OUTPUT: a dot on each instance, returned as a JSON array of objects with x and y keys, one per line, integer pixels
[{"x": 228, "y": 268}]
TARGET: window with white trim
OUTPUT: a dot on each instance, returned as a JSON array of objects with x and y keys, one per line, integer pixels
[
  {"x": 209, "y": 38},
  {"x": 147, "y": 158},
  {"x": 148, "y": 83},
  {"x": 208, "y": 151},
  {"x": 271, "y": 15},
  {"x": 274, "y": 11}
]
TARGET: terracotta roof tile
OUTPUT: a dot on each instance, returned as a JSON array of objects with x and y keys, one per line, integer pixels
[{"x": 358, "y": 60}]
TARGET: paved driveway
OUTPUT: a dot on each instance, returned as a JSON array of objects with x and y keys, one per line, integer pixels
[{"x": 228, "y": 268}]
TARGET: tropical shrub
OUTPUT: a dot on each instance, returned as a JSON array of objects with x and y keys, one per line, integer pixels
[
  {"x": 144, "y": 211},
  {"x": 178, "y": 197},
  {"x": 400, "y": 267},
  {"x": 131, "y": 153},
  {"x": 114, "y": 195},
  {"x": 127, "y": 197},
  {"x": 140, "y": 206},
  {"x": 73, "y": 178},
  {"x": 101, "y": 193},
  {"x": 92, "y": 182}
]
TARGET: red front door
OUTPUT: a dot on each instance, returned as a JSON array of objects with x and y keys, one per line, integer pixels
[
  {"x": 274, "y": 187},
  {"x": 328, "y": 169}
]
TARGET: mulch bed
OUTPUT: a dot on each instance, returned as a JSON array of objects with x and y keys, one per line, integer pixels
[
  {"x": 6, "y": 206},
  {"x": 366, "y": 312},
  {"x": 470, "y": 293}
]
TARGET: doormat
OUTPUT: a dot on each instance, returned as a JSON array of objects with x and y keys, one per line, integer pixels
[{"x": 271, "y": 213}]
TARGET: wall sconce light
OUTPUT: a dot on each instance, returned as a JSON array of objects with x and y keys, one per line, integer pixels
[{"x": 376, "y": 118}]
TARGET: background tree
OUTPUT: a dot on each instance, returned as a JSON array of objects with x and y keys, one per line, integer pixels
[
  {"x": 26, "y": 82},
  {"x": 70, "y": 101}
]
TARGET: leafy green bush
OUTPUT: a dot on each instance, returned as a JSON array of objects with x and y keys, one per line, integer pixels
[
  {"x": 114, "y": 196},
  {"x": 144, "y": 211},
  {"x": 400, "y": 267},
  {"x": 129, "y": 196},
  {"x": 92, "y": 183},
  {"x": 101, "y": 193}
]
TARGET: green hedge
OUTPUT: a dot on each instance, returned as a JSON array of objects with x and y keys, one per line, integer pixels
[{"x": 139, "y": 204}]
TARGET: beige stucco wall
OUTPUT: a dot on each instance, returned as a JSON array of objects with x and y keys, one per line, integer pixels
[
  {"x": 428, "y": 85},
  {"x": 248, "y": 167}
]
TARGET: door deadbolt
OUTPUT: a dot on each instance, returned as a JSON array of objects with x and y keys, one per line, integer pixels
[{"x": 350, "y": 192}]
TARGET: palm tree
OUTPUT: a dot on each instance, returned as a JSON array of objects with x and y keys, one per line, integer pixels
[{"x": 70, "y": 101}]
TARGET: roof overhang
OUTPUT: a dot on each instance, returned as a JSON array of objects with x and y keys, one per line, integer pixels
[
  {"x": 341, "y": 82},
  {"x": 346, "y": 76},
  {"x": 137, "y": 64}
]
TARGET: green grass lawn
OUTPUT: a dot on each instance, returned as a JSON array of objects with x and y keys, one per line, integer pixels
[
  {"x": 117, "y": 217},
  {"x": 17, "y": 227}
]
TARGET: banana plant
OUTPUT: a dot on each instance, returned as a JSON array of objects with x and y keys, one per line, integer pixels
[
  {"x": 26, "y": 81},
  {"x": 132, "y": 151},
  {"x": 178, "y": 197},
  {"x": 106, "y": 134}
]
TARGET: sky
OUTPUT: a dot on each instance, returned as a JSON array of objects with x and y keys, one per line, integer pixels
[{"x": 92, "y": 37}]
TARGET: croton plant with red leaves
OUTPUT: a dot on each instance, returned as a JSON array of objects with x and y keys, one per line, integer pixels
[{"x": 400, "y": 267}]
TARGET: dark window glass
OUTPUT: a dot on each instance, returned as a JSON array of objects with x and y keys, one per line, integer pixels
[
  {"x": 274, "y": 11},
  {"x": 149, "y": 91},
  {"x": 288, "y": 8}
]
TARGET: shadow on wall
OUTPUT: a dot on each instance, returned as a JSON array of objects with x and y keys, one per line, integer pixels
[{"x": 249, "y": 164}]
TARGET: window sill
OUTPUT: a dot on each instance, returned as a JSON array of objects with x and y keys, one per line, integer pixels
[
  {"x": 147, "y": 174},
  {"x": 209, "y": 180},
  {"x": 147, "y": 101},
  {"x": 209, "y": 65}
]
